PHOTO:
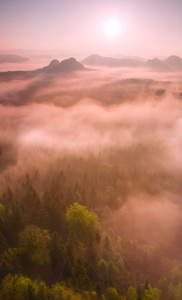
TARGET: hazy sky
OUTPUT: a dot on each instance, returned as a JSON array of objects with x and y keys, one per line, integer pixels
[{"x": 148, "y": 28}]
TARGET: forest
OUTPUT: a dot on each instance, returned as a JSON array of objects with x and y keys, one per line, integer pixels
[{"x": 90, "y": 187}]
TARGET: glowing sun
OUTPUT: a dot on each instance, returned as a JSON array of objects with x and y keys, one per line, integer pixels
[{"x": 112, "y": 28}]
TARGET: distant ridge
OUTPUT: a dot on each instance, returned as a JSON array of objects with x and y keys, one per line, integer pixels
[
  {"x": 97, "y": 60},
  {"x": 172, "y": 63},
  {"x": 12, "y": 58},
  {"x": 67, "y": 65},
  {"x": 55, "y": 67},
  {"x": 119, "y": 56},
  {"x": 157, "y": 65}
]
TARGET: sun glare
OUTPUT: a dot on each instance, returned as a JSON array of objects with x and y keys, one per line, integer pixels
[{"x": 112, "y": 28}]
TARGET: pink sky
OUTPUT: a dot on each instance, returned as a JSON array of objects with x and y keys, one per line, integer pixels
[{"x": 149, "y": 28}]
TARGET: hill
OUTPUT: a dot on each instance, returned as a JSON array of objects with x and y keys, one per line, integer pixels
[
  {"x": 55, "y": 67},
  {"x": 97, "y": 60},
  {"x": 157, "y": 64},
  {"x": 67, "y": 65},
  {"x": 172, "y": 63}
]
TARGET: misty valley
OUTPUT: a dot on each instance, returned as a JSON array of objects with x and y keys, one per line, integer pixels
[{"x": 91, "y": 180}]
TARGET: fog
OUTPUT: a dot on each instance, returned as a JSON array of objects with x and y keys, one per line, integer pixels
[{"x": 45, "y": 118}]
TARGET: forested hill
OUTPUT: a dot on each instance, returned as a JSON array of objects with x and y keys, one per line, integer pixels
[{"x": 68, "y": 233}]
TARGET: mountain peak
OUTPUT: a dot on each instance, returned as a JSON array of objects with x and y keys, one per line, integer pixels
[
  {"x": 157, "y": 65},
  {"x": 70, "y": 64},
  {"x": 174, "y": 63},
  {"x": 54, "y": 63},
  {"x": 67, "y": 65}
]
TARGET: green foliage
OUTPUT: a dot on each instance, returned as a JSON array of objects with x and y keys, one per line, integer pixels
[
  {"x": 34, "y": 242},
  {"x": 102, "y": 297},
  {"x": 3, "y": 243},
  {"x": 19, "y": 287},
  {"x": 11, "y": 261},
  {"x": 112, "y": 272},
  {"x": 57, "y": 256},
  {"x": 147, "y": 295},
  {"x": 103, "y": 273},
  {"x": 84, "y": 223},
  {"x": 112, "y": 294},
  {"x": 176, "y": 274},
  {"x": 89, "y": 245},
  {"x": 41, "y": 291},
  {"x": 92, "y": 262},
  {"x": 156, "y": 294},
  {"x": 57, "y": 291},
  {"x": 80, "y": 280},
  {"x": 131, "y": 293},
  {"x": 175, "y": 292},
  {"x": 15, "y": 287},
  {"x": 3, "y": 217},
  {"x": 120, "y": 263},
  {"x": 60, "y": 292}
]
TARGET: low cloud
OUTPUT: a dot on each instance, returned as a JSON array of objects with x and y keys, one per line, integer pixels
[{"x": 44, "y": 118}]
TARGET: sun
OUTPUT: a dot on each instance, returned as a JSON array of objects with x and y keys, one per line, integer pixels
[{"x": 112, "y": 28}]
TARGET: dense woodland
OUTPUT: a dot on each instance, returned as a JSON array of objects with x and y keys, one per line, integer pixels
[
  {"x": 63, "y": 234},
  {"x": 90, "y": 187}
]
